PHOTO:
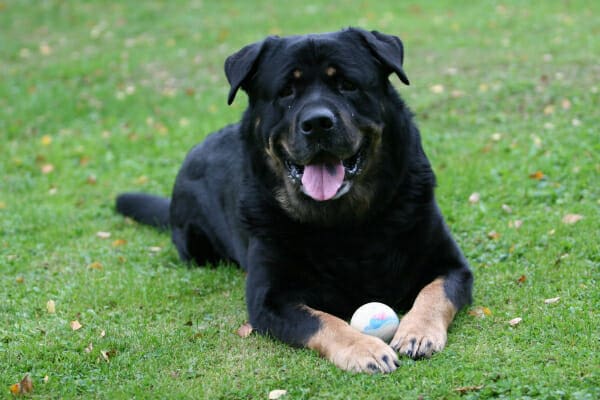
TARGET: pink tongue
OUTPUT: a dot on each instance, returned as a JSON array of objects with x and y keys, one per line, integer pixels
[{"x": 322, "y": 181}]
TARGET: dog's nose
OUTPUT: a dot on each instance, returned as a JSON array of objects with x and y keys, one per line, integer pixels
[{"x": 317, "y": 120}]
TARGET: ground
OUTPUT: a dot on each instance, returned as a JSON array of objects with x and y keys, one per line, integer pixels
[{"x": 101, "y": 97}]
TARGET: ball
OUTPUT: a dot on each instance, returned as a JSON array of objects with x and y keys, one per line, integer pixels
[{"x": 376, "y": 319}]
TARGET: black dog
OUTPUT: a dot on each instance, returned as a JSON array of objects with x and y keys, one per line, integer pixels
[{"x": 323, "y": 194}]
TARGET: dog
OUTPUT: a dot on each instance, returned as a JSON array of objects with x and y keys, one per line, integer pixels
[{"x": 324, "y": 196}]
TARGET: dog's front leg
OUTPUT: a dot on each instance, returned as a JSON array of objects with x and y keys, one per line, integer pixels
[
  {"x": 423, "y": 329},
  {"x": 281, "y": 313}
]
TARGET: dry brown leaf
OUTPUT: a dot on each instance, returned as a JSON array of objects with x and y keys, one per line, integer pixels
[
  {"x": 46, "y": 379},
  {"x": 23, "y": 387},
  {"x": 245, "y": 330},
  {"x": 474, "y": 198},
  {"x": 20, "y": 279},
  {"x": 572, "y": 218},
  {"x": 107, "y": 354},
  {"x": 437, "y": 89},
  {"x": 537, "y": 175},
  {"x": 91, "y": 180},
  {"x": 566, "y": 104},
  {"x": 552, "y": 300},
  {"x": 102, "y": 333},
  {"x": 517, "y": 223},
  {"x": 51, "y": 307},
  {"x": 277, "y": 394},
  {"x": 89, "y": 348},
  {"x": 466, "y": 389},
  {"x": 95, "y": 265},
  {"x": 75, "y": 325},
  {"x": 515, "y": 321},
  {"x": 119, "y": 242},
  {"x": 480, "y": 312},
  {"x": 103, "y": 235},
  {"x": 47, "y": 168},
  {"x": 522, "y": 279},
  {"x": 155, "y": 249},
  {"x": 46, "y": 140},
  {"x": 493, "y": 235}
]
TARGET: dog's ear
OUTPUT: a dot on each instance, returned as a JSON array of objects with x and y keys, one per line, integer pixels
[
  {"x": 240, "y": 66},
  {"x": 388, "y": 50}
]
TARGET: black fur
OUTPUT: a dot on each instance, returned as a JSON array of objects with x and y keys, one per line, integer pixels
[{"x": 234, "y": 197}]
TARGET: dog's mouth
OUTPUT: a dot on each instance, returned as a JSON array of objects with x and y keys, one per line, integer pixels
[{"x": 326, "y": 176}]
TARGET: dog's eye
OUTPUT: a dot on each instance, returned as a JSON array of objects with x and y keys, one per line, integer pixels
[
  {"x": 287, "y": 91},
  {"x": 346, "y": 86}
]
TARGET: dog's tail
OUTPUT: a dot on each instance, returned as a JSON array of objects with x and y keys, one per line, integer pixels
[{"x": 145, "y": 208}]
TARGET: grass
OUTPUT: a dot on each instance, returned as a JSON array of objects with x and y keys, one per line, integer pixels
[{"x": 102, "y": 97}]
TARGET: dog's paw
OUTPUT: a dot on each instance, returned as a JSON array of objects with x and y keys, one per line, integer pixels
[
  {"x": 419, "y": 338},
  {"x": 366, "y": 354}
]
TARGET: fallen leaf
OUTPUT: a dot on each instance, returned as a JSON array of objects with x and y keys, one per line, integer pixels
[
  {"x": 51, "y": 307},
  {"x": 107, "y": 354},
  {"x": 518, "y": 223},
  {"x": 23, "y": 387},
  {"x": 46, "y": 140},
  {"x": 515, "y": 321},
  {"x": 47, "y": 168},
  {"x": 572, "y": 218},
  {"x": 46, "y": 379},
  {"x": 91, "y": 180},
  {"x": 493, "y": 235},
  {"x": 119, "y": 242},
  {"x": 437, "y": 89},
  {"x": 103, "y": 235},
  {"x": 480, "y": 312},
  {"x": 566, "y": 104},
  {"x": 102, "y": 333},
  {"x": 474, "y": 198},
  {"x": 277, "y": 394},
  {"x": 89, "y": 348},
  {"x": 155, "y": 249},
  {"x": 95, "y": 265},
  {"x": 245, "y": 330},
  {"x": 466, "y": 389},
  {"x": 20, "y": 279},
  {"x": 75, "y": 325},
  {"x": 522, "y": 279},
  {"x": 537, "y": 175},
  {"x": 2, "y": 205},
  {"x": 506, "y": 208},
  {"x": 552, "y": 300},
  {"x": 142, "y": 180}
]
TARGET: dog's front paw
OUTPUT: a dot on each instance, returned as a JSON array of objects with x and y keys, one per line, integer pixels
[
  {"x": 419, "y": 337},
  {"x": 366, "y": 354}
]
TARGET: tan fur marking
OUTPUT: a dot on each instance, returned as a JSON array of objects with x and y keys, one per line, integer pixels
[
  {"x": 423, "y": 330},
  {"x": 348, "y": 348},
  {"x": 297, "y": 74},
  {"x": 331, "y": 71}
]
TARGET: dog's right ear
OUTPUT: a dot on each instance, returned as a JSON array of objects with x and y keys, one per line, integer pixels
[{"x": 240, "y": 66}]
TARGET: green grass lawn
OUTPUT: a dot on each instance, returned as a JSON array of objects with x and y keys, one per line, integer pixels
[{"x": 100, "y": 97}]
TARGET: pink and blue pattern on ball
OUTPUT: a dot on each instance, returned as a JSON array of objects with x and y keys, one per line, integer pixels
[{"x": 380, "y": 320}]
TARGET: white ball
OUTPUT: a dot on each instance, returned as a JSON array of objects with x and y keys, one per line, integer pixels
[{"x": 376, "y": 319}]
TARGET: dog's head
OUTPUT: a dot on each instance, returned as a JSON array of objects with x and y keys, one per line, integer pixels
[{"x": 316, "y": 116}]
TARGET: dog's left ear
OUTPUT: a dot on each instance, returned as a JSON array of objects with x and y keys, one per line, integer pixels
[
  {"x": 240, "y": 66},
  {"x": 388, "y": 50}
]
